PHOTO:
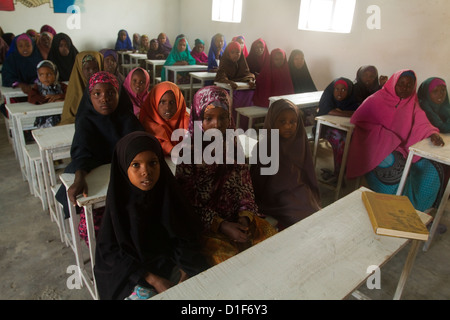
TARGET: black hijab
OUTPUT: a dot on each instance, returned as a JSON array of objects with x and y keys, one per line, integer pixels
[
  {"x": 64, "y": 64},
  {"x": 143, "y": 231},
  {"x": 328, "y": 102},
  {"x": 301, "y": 78},
  {"x": 361, "y": 90}
]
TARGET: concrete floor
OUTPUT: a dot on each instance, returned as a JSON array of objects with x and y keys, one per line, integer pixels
[{"x": 34, "y": 262}]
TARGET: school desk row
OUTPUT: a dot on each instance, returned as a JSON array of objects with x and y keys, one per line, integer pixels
[{"x": 54, "y": 144}]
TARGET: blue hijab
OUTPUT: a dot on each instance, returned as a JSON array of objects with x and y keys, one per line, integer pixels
[
  {"x": 212, "y": 63},
  {"x": 125, "y": 44}
]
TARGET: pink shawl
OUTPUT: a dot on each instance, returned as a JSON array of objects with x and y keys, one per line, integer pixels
[
  {"x": 385, "y": 123},
  {"x": 137, "y": 99}
]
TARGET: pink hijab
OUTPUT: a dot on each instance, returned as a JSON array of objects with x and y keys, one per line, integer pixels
[
  {"x": 385, "y": 123},
  {"x": 137, "y": 99}
]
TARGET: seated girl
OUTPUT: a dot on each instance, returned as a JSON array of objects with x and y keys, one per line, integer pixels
[
  {"x": 44, "y": 43},
  {"x": 433, "y": 99},
  {"x": 216, "y": 50},
  {"x": 291, "y": 194},
  {"x": 63, "y": 53},
  {"x": 164, "y": 44},
  {"x": 155, "y": 52},
  {"x": 100, "y": 123},
  {"x": 145, "y": 44},
  {"x": 148, "y": 240},
  {"x": 136, "y": 89},
  {"x": 179, "y": 56},
  {"x": 274, "y": 79},
  {"x": 136, "y": 41},
  {"x": 47, "y": 89},
  {"x": 123, "y": 42},
  {"x": 337, "y": 100},
  {"x": 386, "y": 124},
  {"x": 164, "y": 111},
  {"x": 367, "y": 83},
  {"x": 86, "y": 64},
  {"x": 301, "y": 78},
  {"x": 198, "y": 52},
  {"x": 19, "y": 68},
  {"x": 111, "y": 62},
  {"x": 258, "y": 56},
  {"x": 233, "y": 68},
  {"x": 221, "y": 194},
  {"x": 241, "y": 41}
]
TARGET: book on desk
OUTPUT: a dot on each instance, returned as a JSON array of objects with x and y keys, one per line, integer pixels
[{"x": 394, "y": 215}]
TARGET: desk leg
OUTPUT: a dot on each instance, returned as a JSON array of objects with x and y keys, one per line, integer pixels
[
  {"x": 74, "y": 220},
  {"x": 154, "y": 74},
  {"x": 316, "y": 141},
  {"x": 46, "y": 173},
  {"x": 344, "y": 162},
  {"x": 438, "y": 216},
  {"x": 407, "y": 268},
  {"x": 92, "y": 243},
  {"x": 191, "y": 90},
  {"x": 401, "y": 185}
]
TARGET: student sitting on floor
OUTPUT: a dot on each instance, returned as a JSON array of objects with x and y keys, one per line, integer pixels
[{"x": 148, "y": 241}]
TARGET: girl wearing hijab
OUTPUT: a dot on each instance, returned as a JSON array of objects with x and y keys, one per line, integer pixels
[
  {"x": 111, "y": 62},
  {"x": 198, "y": 52},
  {"x": 123, "y": 42},
  {"x": 366, "y": 83},
  {"x": 47, "y": 28},
  {"x": 19, "y": 68},
  {"x": 179, "y": 56},
  {"x": 386, "y": 124},
  {"x": 258, "y": 56},
  {"x": 273, "y": 80},
  {"x": 145, "y": 44},
  {"x": 291, "y": 194},
  {"x": 148, "y": 239},
  {"x": 136, "y": 41},
  {"x": 63, "y": 54},
  {"x": 433, "y": 99},
  {"x": 155, "y": 52},
  {"x": 216, "y": 50},
  {"x": 4, "y": 47},
  {"x": 221, "y": 194},
  {"x": 164, "y": 44},
  {"x": 163, "y": 112},
  {"x": 136, "y": 86},
  {"x": 233, "y": 68},
  {"x": 241, "y": 41},
  {"x": 44, "y": 43},
  {"x": 100, "y": 122},
  {"x": 86, "y": 64},
  {"x": 301, "y": 78},
  {"x": 337, "y": 100}
]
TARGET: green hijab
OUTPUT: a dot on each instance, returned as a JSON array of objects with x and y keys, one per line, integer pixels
[{"x": 438, "y": 114}]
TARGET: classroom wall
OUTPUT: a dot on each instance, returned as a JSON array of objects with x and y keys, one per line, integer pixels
[
  {"x": 413, "y": 33},
  {"x": 100, "y": 21}
]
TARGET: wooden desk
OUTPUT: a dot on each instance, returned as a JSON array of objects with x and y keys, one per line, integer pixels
[
  {"x": 154, "y": 64},
  {"x": 97, "y": 181},
  {"x": 325, "y": 256},
  {"x": 202, "y": 77},
  {"x": 54, "y": 144},
  {"x": 188, "y": 68},
  {"x": 341, "y": 123},
  {"x": 21, "y": 112},
  {"x": 426, "y": 149}
]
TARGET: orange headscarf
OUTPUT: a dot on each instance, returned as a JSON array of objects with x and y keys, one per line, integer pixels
[{"x": 151, "y": 120}]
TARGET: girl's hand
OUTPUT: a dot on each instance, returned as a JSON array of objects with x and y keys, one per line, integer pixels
[
  {"x": 79, "y": 186},
  {"x": 437, "y": 140},
  {"x": 54, "y": 97},
  {"x": 234, "y": 231},
  {"x": 183, "y": 277},
  {"x": 233, "y": 85},
  {"x": 160, "y": 284}
]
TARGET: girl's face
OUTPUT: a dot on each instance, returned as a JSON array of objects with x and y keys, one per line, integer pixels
[
  {"x": 181, "y": 46},
  {"x": 438, "y": 94},
  {"x": 123, "y": 36},
  {"x": 167, "y": 106},
  {"x": 340, "y": 92},
  {"x": 368, "y": 78},
  {"x": 154, "y": 45},
  {"x": 286, "y": 123},
  {"x": 404, "y": 87},
  {"x": 46, "y": 76},
  {"x": 216, "y": 118},
  {"x": 259, "y": 48},
  {"x": 144, "y": 170},
  {"x": 299, "y": 61},
  {"x": 105, "y": 98},
  {"x": 89, "y": 68},
  {"x": 241, "y": 42},
  {"x": 200, "y": 47},
  {"x": 145, "y": 42},
  {"x": 110, "y": 64},
  {"x": 138, "y": 81},
  {"x": 63, "y": 48},
  {"x": 235, "y": 54},
  {"x": 219, "y": 41},
  {"x": 46, "y": 41},
  {"x": 278, "y": 59},
  {"x": 162, "y": 38},
  {"x": 24, "y": 48}
]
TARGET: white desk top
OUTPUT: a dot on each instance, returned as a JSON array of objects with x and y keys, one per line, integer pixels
[
  {"x": 54, "y": 137},
  {"x": 12, "y": 92},
  {"x": 341, "y": 122},
  {"x": 240, "y": 85},
  {"x": 300, "y": 99},
  {"x": 29, "y": 109},
  {"x": 156, "y": 62},
  {"x": 141, "y": 56},
  {"x": 427, "y": 149},
  {"x": 190, "y": 67},
  {"x": 325, "y": 256},
  {"x": 203, "y": 75}
]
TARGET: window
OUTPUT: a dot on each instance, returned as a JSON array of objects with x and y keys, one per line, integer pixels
[
  {"x": 326, "y": 15},
  {"x": 227, "y": 10}
]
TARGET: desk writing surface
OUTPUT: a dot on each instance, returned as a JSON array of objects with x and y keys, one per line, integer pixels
[
  {"x": 342, "y": 122},
  {"x": 324, "y": 256},
  {"x": 30, "y": 109},
  {"x": 54, "y": 137},
  {"x": 300, "y": 99},
  {"x": 240, "y": 85},
  {"x": 427, "y": 149}
]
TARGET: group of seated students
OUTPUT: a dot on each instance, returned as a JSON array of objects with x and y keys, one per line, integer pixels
[{"x": 157, "y": 228}]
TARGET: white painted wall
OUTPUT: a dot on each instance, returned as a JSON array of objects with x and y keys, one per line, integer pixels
[{"x": 414, "y": 33}]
